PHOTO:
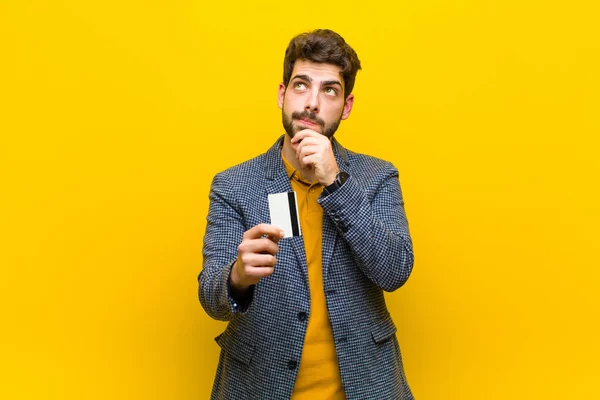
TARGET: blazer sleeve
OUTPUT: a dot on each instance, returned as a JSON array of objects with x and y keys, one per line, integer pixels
[
  {"x": 224, "y": 230},
  {"x": 376, "y": 230}
]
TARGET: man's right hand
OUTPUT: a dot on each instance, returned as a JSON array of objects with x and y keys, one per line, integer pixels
[{"x": 256, "y": 256}]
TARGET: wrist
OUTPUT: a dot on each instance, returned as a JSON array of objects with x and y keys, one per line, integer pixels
[
  {"x": 339, "y": 180},
  {"x": 330, "y": 179},
  {"x": 234, "y": 280}
]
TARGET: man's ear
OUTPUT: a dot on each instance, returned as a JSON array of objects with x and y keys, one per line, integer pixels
[
  {"x": 348, "y": 106},
  {"x": 281, "y": 95}
]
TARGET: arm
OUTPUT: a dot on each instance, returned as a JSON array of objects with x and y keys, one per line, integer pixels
[
  {"x": 234, "y": 259},
  {"x": 376, "y": 231},
  {"x": 224, "y": 230}
]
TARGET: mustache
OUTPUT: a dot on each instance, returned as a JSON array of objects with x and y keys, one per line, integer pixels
[{"x": 309, "y": 116}]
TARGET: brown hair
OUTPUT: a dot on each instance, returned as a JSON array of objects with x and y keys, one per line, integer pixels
[{"x": 322, "y": 46}]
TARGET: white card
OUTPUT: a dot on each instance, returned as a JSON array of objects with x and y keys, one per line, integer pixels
[{"x": 283, "y": 208}]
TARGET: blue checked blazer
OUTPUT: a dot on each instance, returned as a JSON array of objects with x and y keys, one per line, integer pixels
[{"x": 366, "y": 250}]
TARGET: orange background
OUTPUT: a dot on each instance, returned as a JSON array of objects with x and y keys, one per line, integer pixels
[{"x": 114, "y": 117}]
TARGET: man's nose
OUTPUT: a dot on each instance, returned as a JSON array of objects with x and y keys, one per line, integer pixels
[{"x": 312, "y": 102}]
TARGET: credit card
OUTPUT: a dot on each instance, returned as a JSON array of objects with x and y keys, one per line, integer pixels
[{"x": 283, "y": 208}]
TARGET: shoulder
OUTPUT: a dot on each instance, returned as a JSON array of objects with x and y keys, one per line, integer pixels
[
  {"x": 369, "y": 167},
  {"x": 244, "y": 177},
  {"x": 252, "y": 171},
  {"x": 244, "y": 170}
]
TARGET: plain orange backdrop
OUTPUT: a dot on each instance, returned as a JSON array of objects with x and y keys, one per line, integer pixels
[{"x": 115, "y": 115}]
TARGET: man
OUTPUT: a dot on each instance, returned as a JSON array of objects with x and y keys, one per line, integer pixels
[{"x": 307, "y": 316}]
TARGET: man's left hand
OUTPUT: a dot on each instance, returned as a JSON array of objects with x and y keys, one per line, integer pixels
[{"x": 315, "y": 154}]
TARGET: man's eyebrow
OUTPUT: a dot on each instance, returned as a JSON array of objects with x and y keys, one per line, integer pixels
[
  {"x": 329, "y": 83},
  {"x": 324, "y": 83},
  {"x": 303, "y": 77}
]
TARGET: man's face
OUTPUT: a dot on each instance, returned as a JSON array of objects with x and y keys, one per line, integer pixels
[{"x": 314, "y": 99}]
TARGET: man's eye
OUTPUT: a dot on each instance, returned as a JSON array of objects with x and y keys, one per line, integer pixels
[
  {"x": 299, "y": 85},
  {"x": 331, "y": 91}
]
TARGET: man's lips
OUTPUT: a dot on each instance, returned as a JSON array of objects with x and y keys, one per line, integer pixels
[{"x": 307, "y": 122}]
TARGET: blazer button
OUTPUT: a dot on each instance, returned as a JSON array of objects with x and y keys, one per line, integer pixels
[
  {"x": 292, "y": 364},
  {"x": 302, "y": 316}
]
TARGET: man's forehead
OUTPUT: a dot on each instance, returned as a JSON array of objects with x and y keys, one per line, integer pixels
[{"x": 317, "y": 71}]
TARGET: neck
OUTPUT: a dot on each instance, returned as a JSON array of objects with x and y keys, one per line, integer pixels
[{"x": 289, "y": 153}]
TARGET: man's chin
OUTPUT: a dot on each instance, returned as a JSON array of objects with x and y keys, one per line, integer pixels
[
  {"x": 312, "y": 128},
  {"x": 294, "y": 132}
]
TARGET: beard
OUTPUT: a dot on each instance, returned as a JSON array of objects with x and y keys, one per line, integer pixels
[{"x": 291, "y": 130}]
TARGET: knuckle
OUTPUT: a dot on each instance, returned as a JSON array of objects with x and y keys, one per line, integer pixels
[{"x": 266, "y": 271}]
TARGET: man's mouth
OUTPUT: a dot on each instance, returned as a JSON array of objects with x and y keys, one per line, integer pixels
[
  {"x": 307, "y": 119},
  {"x": 307, "y": 122}
]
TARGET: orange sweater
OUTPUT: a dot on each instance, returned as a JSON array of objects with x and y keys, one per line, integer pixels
[{"x": 318, "y": 374}]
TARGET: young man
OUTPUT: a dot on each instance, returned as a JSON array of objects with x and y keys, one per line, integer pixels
[{"x": 307, "y": 316}]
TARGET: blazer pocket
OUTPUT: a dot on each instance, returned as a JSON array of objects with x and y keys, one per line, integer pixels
[
  {"x": 382, "y": 330},
  {"x": 236, "y": 348}
]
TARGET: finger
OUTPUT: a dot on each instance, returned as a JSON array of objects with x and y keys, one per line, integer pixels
[
  {"x": 318, "y": 140},
  {"x": 262, "y": 245},
  {"x": 259, "y": 272},
  {"x": 299, "y": 136},
  {"x": 310, "y": 140},
  {"x": 306, "y": 151},
  {"x": 260, "y": 230},
  {"x": 311, "y": 160},
  {"x": 308, "y": 143},
  {"x": 258, "y": 260},
  {"x": 274, "y": 239}
]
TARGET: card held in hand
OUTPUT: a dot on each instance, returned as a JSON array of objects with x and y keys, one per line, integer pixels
[{"x": 283, "y": 208}]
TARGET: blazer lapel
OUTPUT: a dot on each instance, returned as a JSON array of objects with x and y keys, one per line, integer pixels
[
  {"x": 330, "y": 233},
  {"x": 277, "y": 181}
]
